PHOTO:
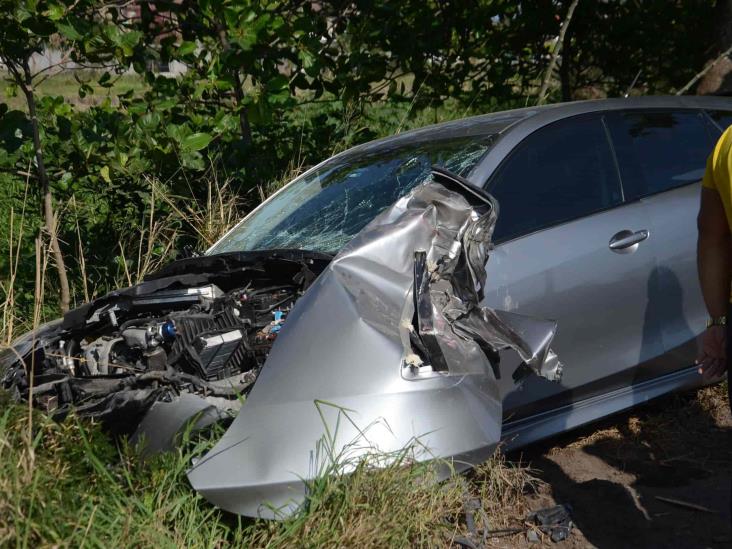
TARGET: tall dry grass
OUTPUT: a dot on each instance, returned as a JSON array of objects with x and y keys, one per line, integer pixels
[
  {"x": 208, "y": 219},
  {"x": 9, "y": 320},
  {"x": 156, "y": 238}
]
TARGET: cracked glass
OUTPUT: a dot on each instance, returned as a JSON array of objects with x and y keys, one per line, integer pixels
[{"x": 324, "y": 209}]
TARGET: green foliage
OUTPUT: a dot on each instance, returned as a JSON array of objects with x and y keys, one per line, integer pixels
[
  {"x": 273, "y": 86},
  {"x": 609, "y": 43},
  {"x": 67, "y": 485}
]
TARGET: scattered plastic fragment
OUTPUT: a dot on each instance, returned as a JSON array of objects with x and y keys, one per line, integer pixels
[{"x": 556, "y": 522}]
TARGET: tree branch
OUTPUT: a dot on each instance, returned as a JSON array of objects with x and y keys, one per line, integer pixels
[
  {"x": 555, "y": 54},
  {"x": 698, "y": 76}
]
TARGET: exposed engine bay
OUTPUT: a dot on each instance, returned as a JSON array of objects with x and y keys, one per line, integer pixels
[{"x": 202, "y": 325}]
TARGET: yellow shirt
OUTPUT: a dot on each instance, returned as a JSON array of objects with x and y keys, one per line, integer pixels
[{"x": 718, "y": 174}]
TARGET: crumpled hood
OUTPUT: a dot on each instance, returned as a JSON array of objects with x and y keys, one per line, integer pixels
[{"x": 388, "y": 346}]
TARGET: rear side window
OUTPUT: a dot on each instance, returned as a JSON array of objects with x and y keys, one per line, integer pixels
[
  {"x": 723, "y": 119},
  {"x": 559, "y": 173},
  {"x": 659, "y": 150}
]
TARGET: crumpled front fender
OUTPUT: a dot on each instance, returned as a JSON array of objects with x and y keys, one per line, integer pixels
[{"x": 352, "y": 374}]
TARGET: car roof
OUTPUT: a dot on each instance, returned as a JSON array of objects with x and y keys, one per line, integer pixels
[
  {"x": 542, "y": 117},
  {"x": 513, "y": 125},
  {"x": 503, "y": 121}
]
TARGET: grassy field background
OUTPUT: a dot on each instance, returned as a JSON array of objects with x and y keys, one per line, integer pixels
[{"x": 66, "y": 84}]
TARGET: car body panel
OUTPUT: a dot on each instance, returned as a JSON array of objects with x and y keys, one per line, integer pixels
[
  {"x": 598, "y": 298},
  {"x": 344, "y": 380},
  {"x": 678, "y": 303},
  {"x": 521, "y": 432}
]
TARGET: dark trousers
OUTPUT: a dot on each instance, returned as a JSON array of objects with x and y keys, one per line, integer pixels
[
  {"x": 729, "y": 354},
  {"x": 729, "y": 385}
]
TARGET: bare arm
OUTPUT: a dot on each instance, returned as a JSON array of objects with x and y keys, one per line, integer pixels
[{"x": 714, "y": 259}]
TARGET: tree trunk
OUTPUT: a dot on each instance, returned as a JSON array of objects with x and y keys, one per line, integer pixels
[
  {"x": 718, "y": 79},
  {"x": 246, "y": 130},
  {"x": 48, "y": 215},
  {"x": 244, "y": 127},
  {"x": 564, "y": 68},
  {"x": 544, "y": 90}
]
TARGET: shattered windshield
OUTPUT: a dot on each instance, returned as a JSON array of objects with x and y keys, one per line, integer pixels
[{"x": 326, "y": 208}]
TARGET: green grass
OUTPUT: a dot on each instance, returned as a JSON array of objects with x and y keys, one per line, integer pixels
[
  {"x": 68, "y": 485},
  {"x": 65, "y": 84}
]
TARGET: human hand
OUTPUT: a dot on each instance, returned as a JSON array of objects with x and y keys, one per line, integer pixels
[{"x": 712, "y": 359}]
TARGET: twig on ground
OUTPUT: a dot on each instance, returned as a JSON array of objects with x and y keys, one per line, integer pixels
[{"x": 686, "y": 504}]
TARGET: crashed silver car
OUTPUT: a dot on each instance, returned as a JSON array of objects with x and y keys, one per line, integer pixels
[{"x": 504, "y": 277}]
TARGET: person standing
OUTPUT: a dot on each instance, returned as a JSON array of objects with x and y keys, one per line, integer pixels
[{"x": 714, "y": 258}]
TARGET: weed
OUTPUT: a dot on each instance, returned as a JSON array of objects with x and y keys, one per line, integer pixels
[{"x": 69, "y": 485}]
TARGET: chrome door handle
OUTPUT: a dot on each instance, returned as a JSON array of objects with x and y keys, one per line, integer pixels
[{"x": 625, "y": 242}]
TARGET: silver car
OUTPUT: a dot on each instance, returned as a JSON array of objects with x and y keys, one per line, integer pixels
[{"x": 504, "y": 277}]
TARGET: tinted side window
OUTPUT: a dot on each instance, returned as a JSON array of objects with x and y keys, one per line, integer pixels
[
  {"x": 722, "y": 118},
  {"x": 660, "y": 150},
  {"x": 559, "y": 173}
]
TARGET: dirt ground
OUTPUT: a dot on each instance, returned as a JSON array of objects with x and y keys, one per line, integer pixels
[{"x": 616, "y": 475}]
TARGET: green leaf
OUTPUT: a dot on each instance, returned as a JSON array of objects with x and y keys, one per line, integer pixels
[
  {"x": 196, "y": 141},
  {"x": 186, "y": 48},
  {"x": 67, "y": 30},
  {"x": 193, "y": 159},
  {"x": 84, "y": 90},
  {"x": 278, "y": 83},
  {"x": 307, "y": 59},
  {"x": 225, "y": 82},
  {"x": 149, "y": 121},
  {"x": 177, "y": 132},
  {"x": 65, "y": 181},
  {"x": 166, "y": 104},
  {"x": 104, "y": 172},
  {"x": 105, "y": 80},
  {"x": 56, "y": 12},
  {"x": 129, "y": 40}
]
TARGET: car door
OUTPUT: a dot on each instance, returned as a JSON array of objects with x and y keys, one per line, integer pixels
[
  {"x": 561, "y": 215},
  {"x": 662, "y": 156}
]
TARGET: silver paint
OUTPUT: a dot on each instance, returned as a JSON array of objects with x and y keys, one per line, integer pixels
[{"x": 342, "y": 374}]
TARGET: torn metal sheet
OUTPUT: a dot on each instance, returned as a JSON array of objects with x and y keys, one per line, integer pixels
[{"x": 388, "y": 346}]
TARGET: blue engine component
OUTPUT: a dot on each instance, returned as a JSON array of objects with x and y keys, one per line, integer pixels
[
  {"x": 167, "y": 330},
  {"x": 279, "y": 318}
]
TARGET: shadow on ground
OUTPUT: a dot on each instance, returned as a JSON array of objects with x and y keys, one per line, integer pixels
[{"x": 619, "y": 475}]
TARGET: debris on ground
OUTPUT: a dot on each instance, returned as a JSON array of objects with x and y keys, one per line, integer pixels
[
  {"x": 556, "y": 521},
  {"x": 685, "y": 504}
]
